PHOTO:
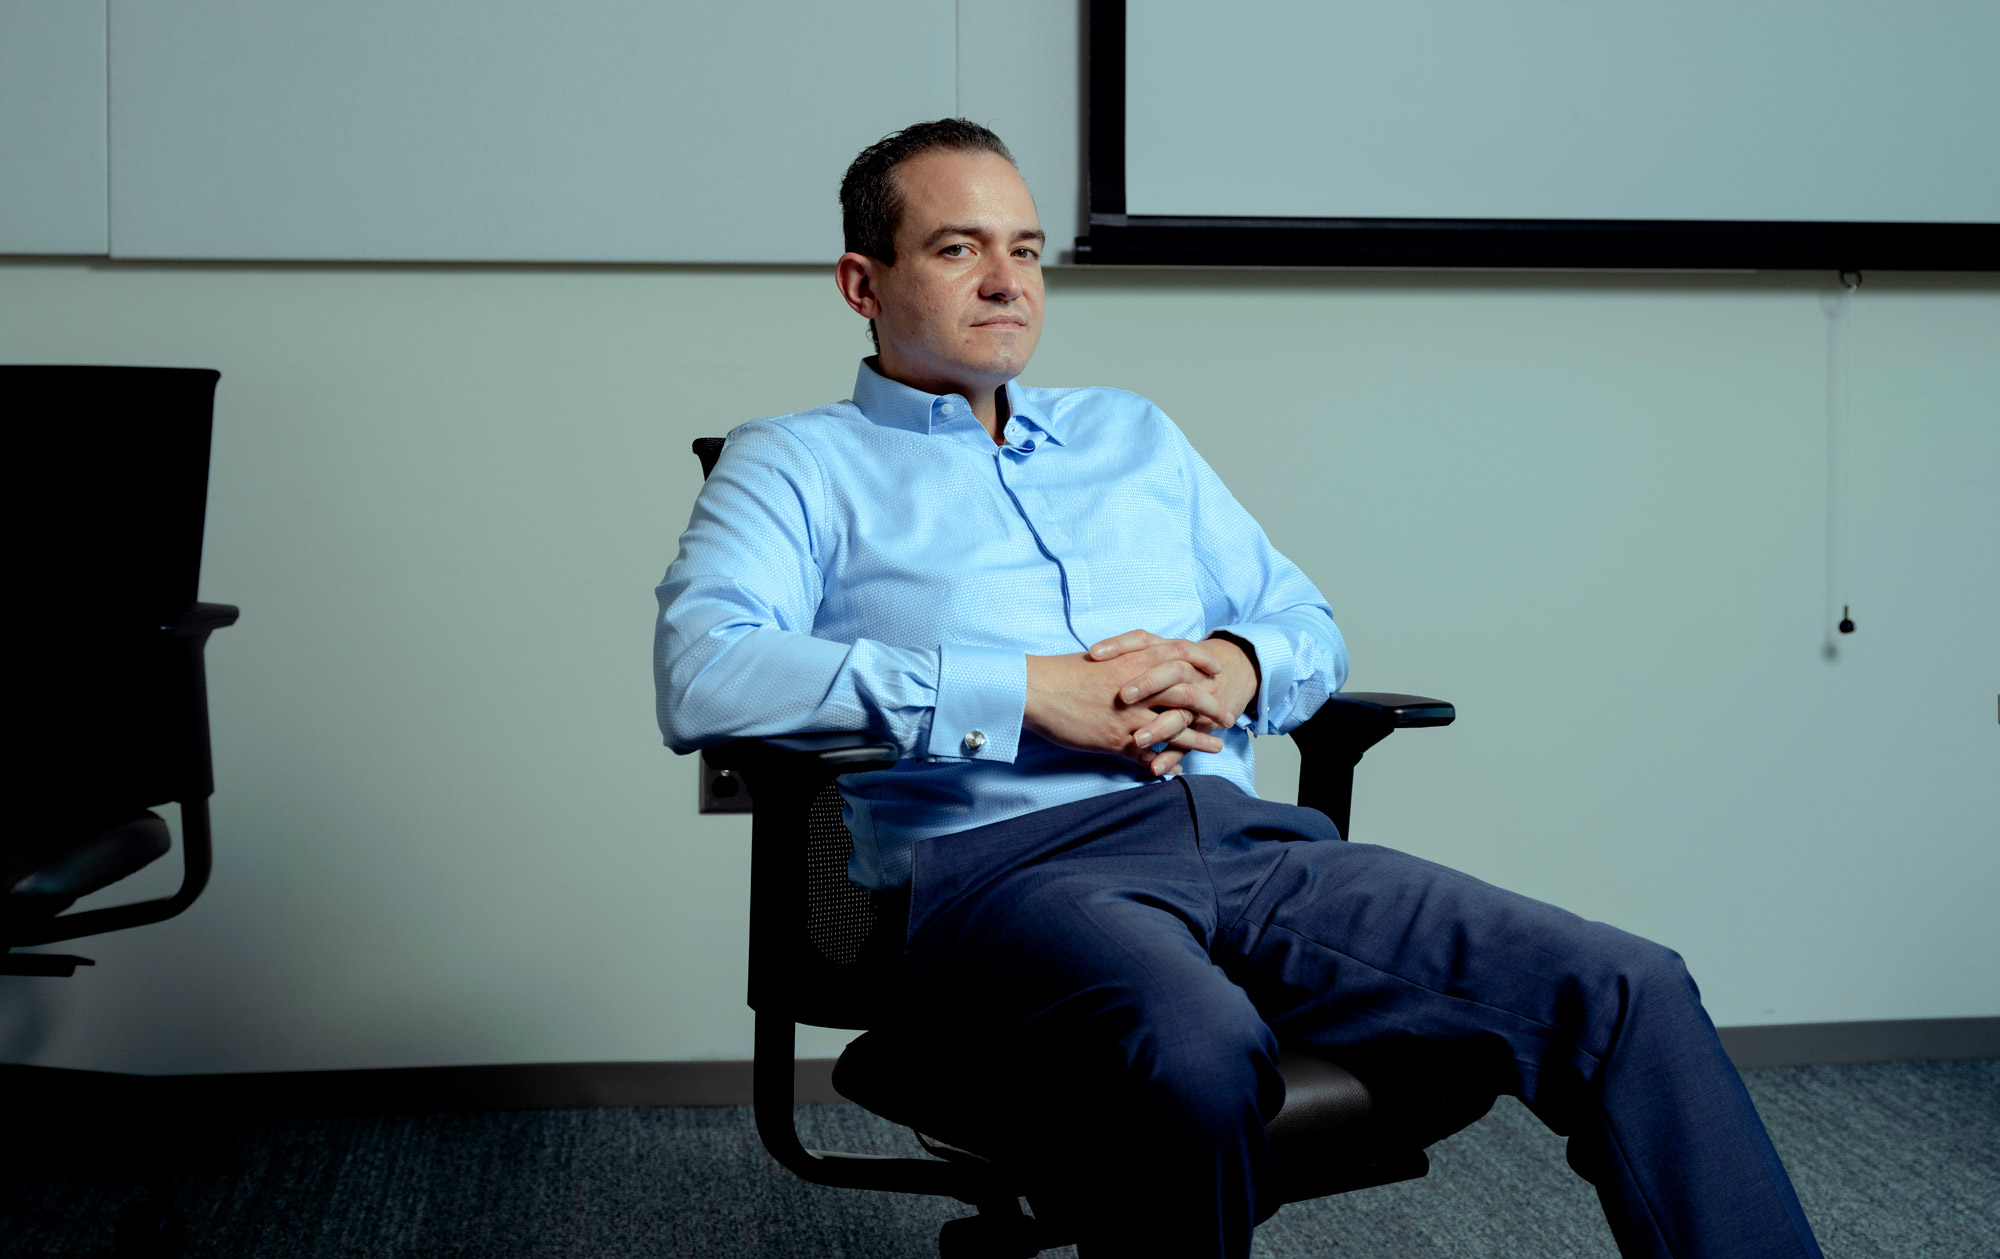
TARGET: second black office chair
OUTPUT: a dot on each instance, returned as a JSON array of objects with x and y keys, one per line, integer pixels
[
  {"x": 110, "y": 698},
  {"x": 110, "y": 694},
  {"x": 821, "y": 953}
]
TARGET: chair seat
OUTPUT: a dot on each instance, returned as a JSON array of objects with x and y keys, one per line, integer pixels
[
  {"x": 1334, "y": 1132},
  {"x": 79, "y": 866}
]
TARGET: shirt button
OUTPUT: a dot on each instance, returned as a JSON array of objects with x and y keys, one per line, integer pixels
[{"x": 975, "y": 740}]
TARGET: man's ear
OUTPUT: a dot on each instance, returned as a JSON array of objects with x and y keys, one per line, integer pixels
[{"x": 854, "y": 275}]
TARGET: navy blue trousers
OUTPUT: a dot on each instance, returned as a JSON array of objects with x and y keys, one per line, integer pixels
[{"x": 1134, "y": 960}]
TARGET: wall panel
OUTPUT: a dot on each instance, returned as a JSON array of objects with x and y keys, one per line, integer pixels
[
  {"x": 598, "y": 131},
  {"x": 52, "y": 158}
]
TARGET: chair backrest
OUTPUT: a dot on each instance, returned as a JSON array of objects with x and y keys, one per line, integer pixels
[
  {"x": 107, "y": 551},
  {"x": 118, "y": 461}
]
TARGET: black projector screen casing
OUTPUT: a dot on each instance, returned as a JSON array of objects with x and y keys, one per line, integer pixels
[{"x": 1116, "y": 237}]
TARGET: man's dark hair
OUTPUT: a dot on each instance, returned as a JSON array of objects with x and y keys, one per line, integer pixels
[{"x": 871, "y": 203}]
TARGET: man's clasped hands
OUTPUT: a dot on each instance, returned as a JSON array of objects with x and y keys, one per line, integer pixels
[{"x": 1141, "y": 696}]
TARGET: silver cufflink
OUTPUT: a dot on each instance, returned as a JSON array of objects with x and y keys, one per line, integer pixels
[{"x": 975, "y": 740}]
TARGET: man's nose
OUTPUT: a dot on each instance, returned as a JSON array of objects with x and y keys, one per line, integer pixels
[{"x": 1000, "y": 281}]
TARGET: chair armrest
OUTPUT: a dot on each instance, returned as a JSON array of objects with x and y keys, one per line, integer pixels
[
  {"x": 1403, "y": 710},
  {"x": 185, "y": 637},
  {"x": 195, "y": 857},
  {"x": 201, "y": 619},
  {"x": 1332, "y": 741},
  {"x": 810, "y": 755},
  {"x": 1350, "y": 723}
]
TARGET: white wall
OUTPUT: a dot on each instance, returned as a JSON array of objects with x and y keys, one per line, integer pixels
[{"x": 1588, "y": 510}]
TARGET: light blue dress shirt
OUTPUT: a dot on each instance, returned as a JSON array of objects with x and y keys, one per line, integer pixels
[{"x": 881, "y": 565}]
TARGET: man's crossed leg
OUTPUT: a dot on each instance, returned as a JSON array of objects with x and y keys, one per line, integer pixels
[{"x": 1136, "y": 957}]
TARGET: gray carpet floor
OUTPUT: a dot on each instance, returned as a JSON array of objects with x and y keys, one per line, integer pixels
[{"x": 1895, "y": 1160}]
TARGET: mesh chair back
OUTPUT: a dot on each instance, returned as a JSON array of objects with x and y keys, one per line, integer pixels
[
  {"x": 840, "y": 918},
  {"x": 822, "y": 950}
]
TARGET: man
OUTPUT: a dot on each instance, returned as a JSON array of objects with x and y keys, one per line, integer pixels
[{"x": 1071, "y": 631}]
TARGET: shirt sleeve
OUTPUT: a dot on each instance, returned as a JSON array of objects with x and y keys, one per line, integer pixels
[
  {"x": 1250, "y": 590},
  {"x": 734, "y": 655}
]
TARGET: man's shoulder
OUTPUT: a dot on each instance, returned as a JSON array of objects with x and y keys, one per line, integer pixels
[
  {"x": 794, "y": 437},
  {"x": 798, "y": 423}
]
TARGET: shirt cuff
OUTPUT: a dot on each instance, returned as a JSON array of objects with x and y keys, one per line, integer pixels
[
  {"x": 1274, "y": 667},
  {"x": 981, "y": 696}
]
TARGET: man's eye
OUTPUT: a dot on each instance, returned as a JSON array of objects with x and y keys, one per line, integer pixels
[
  {"x": 1026, "y": 252},
  {"x": 947, "y": 251}
]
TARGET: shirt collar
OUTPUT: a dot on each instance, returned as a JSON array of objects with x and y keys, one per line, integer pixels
[
  {"x": 1020, "y": 407},
  {"x": 896, "y": 405}
]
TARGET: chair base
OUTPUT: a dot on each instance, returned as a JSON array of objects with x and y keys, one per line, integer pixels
[{"x": 998, "y": 1232}]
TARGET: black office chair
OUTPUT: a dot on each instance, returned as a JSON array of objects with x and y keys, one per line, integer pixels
[
  {"x": 111, "y": 698},
  {"x": 822, "y": 953}
]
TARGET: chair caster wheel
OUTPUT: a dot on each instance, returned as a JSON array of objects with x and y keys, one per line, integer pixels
[
  {"x": 152, "y": 1229},
  {"x": 984, "y": 1237}
]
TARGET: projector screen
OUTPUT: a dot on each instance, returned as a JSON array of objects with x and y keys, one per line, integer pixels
[{"x": 1833, "y": 133}]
